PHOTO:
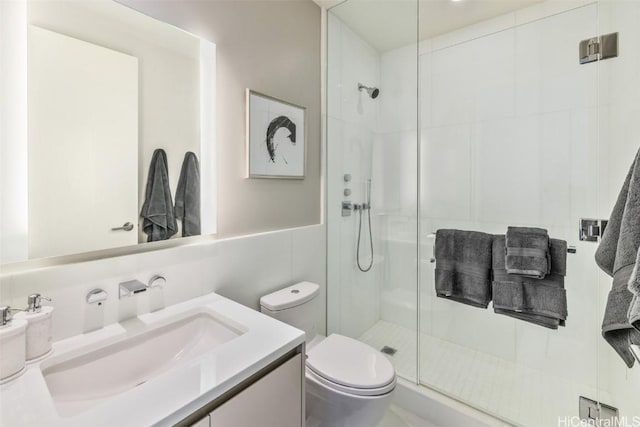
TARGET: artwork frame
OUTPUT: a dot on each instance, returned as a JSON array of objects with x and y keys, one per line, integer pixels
[{"x": 276, "y": 137}]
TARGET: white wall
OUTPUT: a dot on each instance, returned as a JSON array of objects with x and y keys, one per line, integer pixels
[{"x": 242, "y": 269}]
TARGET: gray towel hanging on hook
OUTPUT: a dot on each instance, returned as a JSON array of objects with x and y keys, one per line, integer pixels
[
  {"x": 188, "y": 196},
  {"x": 159, "y": 222},
  {"x": 616, "y": 256}
]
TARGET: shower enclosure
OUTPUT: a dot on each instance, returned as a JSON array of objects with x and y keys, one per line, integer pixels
[{"x": 485, "y": 117}]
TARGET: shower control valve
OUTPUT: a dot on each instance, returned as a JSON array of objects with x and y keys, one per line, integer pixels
[{"x": 346, "y": 208}]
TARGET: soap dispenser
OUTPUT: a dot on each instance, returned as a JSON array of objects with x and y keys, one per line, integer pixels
[
  {"x": 39, "y": 327},
  {"x": 12, "y": 343}
]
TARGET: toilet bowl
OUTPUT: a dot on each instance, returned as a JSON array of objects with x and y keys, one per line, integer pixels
[{"x": 348, "y": 383}]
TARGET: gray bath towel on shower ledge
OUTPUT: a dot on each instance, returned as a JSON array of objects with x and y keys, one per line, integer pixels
[
  {"x": 539, "y": 301},
  {"x": 159, "y": 222},
  {"x": 463, "y": 266},
  {"x": 616, "y": 256},
  {"x": 188, "y": 196}
]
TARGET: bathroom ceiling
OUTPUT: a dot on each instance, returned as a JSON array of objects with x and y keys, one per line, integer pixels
[{"x": 389, "y": 24}]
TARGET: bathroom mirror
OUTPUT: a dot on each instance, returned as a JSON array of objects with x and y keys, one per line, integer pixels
[{"x": 105, "y": 87}]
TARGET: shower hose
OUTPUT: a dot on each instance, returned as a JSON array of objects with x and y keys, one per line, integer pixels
[{"x": 364, "y": 270}]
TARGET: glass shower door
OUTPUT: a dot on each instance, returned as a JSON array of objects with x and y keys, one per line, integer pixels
[
  {"x": 372, "y": 218},
  {"x": 509, "y": 137}
]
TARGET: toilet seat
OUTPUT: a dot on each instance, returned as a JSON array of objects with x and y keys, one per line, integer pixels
[
  {"x": 350, "y": 366},
  {"x": 360, "y": 392}
]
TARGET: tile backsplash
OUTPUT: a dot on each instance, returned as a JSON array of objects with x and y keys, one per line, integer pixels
[{"x": 241, "y": 268}]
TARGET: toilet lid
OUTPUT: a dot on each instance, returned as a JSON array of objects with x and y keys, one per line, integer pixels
[{"x": 350, "y": 363}]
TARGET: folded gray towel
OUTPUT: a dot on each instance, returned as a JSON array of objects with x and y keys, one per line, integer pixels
[
  {"x": 539, "y": 301},
  {"x": 159, "y": 222},
  {"x": 527, "y": 252},
  {"x": 558, "y": 256},
  {"x": 540, "y": 320},
  {"x": 616, "y": 256},
  {"x": 463, "y": 266},
  {"x": 188, "y": 196}
]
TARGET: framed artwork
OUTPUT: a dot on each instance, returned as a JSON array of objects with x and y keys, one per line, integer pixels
[{"x": 276, "y": 138}]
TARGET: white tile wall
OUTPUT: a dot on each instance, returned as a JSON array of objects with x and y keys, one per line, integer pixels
[
  {"x": 359, "y": 64},
  {"x": 494, "y": 66},
  {"x": 518, "y": 90},
  {"x": 452, "y": 85},
  {"x": 396, "y": 172},
  {"x": 398, "y": 90},
  {"x": 446, "y": 158},
  {"x": 242, "y": 268},
  {"x": 508, "y": 171}
]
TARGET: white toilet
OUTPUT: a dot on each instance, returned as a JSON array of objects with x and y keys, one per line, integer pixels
[{"x": 348, "y": 382}]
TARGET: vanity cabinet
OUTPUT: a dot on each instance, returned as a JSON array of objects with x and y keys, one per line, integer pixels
[{"x": 274, "y": 400}]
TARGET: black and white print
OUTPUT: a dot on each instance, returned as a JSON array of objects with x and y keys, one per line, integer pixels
[{"x": 275, "y": 137}]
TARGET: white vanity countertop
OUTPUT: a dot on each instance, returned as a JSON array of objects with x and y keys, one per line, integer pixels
[{"x": 172, "y": 395}]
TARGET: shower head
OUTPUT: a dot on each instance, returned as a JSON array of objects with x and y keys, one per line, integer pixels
[{"x": 372, "y": 91}]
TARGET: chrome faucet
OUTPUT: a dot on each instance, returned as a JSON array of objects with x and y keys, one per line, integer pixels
[
  {"x": 6, "y": 314},
  {"x": 130, "y": 288}
]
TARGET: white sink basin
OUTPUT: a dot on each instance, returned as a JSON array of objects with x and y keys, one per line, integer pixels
[{"x": 84, "y": 381}]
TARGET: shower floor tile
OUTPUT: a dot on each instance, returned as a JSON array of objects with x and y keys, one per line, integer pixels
[
  {"x": 402, "y": 339},
  {"x": 515, "y": 393}
]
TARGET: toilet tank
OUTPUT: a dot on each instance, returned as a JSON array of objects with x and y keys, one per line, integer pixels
[{"x": 296, "y": 305}]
